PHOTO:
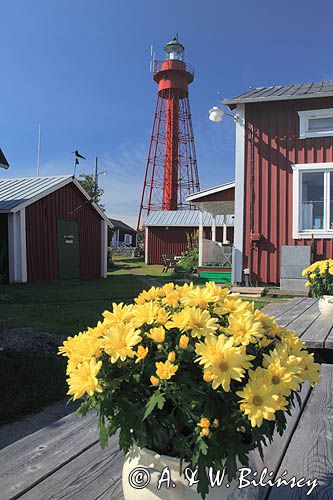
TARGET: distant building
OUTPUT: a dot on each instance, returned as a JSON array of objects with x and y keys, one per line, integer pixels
[
  {"x": 49, "y": 230},
  {"x": 121, "y": 235}
]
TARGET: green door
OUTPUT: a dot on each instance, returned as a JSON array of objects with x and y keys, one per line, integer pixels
[{"x": 68, "y": 249}]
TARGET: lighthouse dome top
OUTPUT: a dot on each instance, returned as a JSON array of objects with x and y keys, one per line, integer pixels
[{"x": 174, "y": 49}]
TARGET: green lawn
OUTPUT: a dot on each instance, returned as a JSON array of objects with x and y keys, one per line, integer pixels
[{"x": 64, "y": 306}]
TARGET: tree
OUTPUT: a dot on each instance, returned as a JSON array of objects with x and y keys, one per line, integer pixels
[{"x": 88, "y": 183}]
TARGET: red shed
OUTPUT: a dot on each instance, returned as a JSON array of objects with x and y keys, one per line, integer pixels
[
  {"x": 50, "y": 229},
  {"x": 284, "y": 175}
]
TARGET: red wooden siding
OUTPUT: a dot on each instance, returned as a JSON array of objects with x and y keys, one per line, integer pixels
[
  {"x": 173, "y": 241},
  {"x": 41, "y": 230},
  {"x": 276, "y": 147},
  {"x": 225, "y": 195},
  {"x": 4, "y": 237}
]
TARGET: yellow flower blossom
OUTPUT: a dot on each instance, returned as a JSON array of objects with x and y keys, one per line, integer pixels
[
  {"x": 157, "y": 334},
  {"x": 310, "y": 369},
  {"x": 216, "y": 423},
  {"x": 84, "y": 379},
  {"x": 154, "y": 380},
  {"x": 230, "y": 305},
  {"x": 225, "y": 361},
  {"x": 120, "y": 314},
  {"x": 179, "y": 320},
  {"x": 118, "y": 341},
  {"x": 204, "y": 422},
  {"x": 172, "y": 299},
  {"x": 207, "y": 376},
  {"x": 200, "y": 297},
  {"x": 165, "y": 370},
  {"x": 172, "y": 356},
  {"x": 183, "y": 341},
  {"x": 244, "y": 328},
  {"x": 205, "y": 432},
  {"x": 200, "y": 323},
  {"x": 141, "y": 353},
  {"x": 81, "y": 347},
  {"x": 258, "y": 399},
  {"x": 145, "y": 313}
]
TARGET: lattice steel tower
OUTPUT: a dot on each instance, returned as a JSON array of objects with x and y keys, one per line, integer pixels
[{"x": 171, "y": 171}]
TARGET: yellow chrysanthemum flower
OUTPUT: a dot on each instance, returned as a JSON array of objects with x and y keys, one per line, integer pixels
[
  {"x": 270, "y": 325},
  {"x": 81, "y": 347},
  {"x": 200, "y": 297},
  {"x": 283, "y": 378},
  {"x": 204, "y": 422},
  {"x": 179, "y": 320},
  {"x": 183, "y": 341},
  {"x": 172, "y": 299},
  {"x": 121, "y": 313},
  {"x": 168, "y": 288},
  {"x": 224, "y": 361},
  {"x": 310, "y": 369},
  {"x": 145, "y": 313},
  {"x": 157, "y": 334},
  {"x": 165, "y": 370},
  {"x": 141, "y": 353},
  {"x": 205, "y": 432},
  {"x": 292, "y": 342},
  {"x": 119, "y": 340},
  {"x": 84, "y": 379},
  {"x": 244, "y": 328},
  {"x": 230, "y": 305},
  {"x": 154, "y": 380},
  {"x": 172, "y": 356},
  {"x": 258, "y": 399},
  {"x": 200, "y": 323}
]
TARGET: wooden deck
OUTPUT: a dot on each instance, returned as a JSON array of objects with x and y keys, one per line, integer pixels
[
  {"x": 63, "y": 461},
  {"x": 303, "y": 316}
]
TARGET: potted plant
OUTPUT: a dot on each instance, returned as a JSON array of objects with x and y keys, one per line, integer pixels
[
  {"x": 320, "y": 282},
  {"x": 188, "y": 375}
]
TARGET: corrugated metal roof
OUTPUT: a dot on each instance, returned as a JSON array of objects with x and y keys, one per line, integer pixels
[
  {"x": 323, "y": 88},
  {"x": 183, "y": 218},
  {"x": 14, "y": 192},
  {"x": 209, "y": 191}
]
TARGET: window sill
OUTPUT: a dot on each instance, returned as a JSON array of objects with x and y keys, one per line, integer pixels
[
  {"x": 308, "y": 134},
  {"x": 317, "y": 235}
]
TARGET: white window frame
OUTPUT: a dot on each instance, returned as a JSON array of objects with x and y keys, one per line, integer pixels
[
  {"x": 305, "y": 116},
  {"x": 298, "y": 169},
  {"x": 128, "y": 239}
]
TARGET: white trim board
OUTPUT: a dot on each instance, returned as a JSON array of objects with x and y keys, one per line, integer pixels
[
  {"x": 207, "y": 192},
  {"x": 239, "y": 195}
]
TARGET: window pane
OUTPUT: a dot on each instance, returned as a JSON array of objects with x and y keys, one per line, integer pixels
[
  {"x": 321, "y": 123},
  {"x": 331, "y": 199},
  {"x": 313, "y": 200}
]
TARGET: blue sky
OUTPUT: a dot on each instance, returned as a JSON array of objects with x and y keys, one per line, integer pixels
[{"x": 80, "y": 68}]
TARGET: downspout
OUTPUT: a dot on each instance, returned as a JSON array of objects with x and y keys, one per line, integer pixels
[{"x": 252, "y": 200}]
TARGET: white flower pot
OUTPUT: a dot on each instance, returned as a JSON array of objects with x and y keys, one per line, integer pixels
[
  {"x": 148, "y": 460},
  {"x": 326, "y": 304}
]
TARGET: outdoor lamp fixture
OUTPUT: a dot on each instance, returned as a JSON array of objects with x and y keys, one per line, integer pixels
[{"x": 216, "y": 114}]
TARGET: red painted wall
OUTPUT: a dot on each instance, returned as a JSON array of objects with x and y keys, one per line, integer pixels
[
  {"x": 173, "y": 241},
  {"x": 276, "y": 147},
  {"x": 41, "y": 230},
  {"x": 225, "y": 195}
]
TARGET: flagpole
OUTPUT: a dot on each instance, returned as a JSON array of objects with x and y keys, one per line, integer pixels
[{"x": 38, "y": 150}]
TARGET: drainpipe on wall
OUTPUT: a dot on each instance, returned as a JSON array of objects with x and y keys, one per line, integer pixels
[{"x": 252, "y": 199}]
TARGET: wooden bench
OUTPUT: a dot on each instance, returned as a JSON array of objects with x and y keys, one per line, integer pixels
[{"x": 64, "y": 461}]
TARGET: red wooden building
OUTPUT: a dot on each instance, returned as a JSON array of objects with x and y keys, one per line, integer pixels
[
  {"x": 50, "y": 229},
  {"x": 284, "y": 175},
  {"x": 167, "y": 230}
]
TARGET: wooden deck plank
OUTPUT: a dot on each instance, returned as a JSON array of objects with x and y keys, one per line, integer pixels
[
  {"x": 329, "y": 339},
  {"x": 278, "y": 308},
  {"x": 291, "y": 314},
  {"x": 94, "y": 474},
  {"x": 29, "y": 460},
  {"x": 305, "y": 320},
  {"x": 317, "y": 335},
  {"x": 310, "y": 452}
]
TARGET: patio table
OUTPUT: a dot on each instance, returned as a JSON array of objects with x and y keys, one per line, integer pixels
[{"x": 64, "y": 460}]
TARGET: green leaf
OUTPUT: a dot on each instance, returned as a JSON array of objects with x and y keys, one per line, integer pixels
[
  {"x": 157, "y": 399},
  {"x": 103, "y": 432}
]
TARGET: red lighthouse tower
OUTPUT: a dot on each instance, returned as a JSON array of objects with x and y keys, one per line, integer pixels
[{"x": 171, "y": 171}]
